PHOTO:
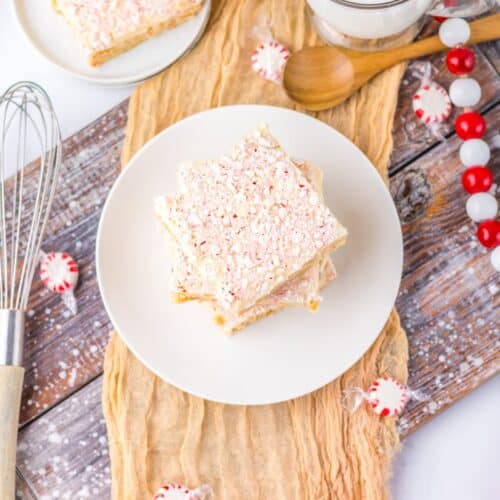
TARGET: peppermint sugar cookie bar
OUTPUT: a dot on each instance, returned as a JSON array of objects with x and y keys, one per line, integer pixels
[
  {"x": 189, "y": 283},
  {"x": 249, "y": 221},
  {"x": 107, "y": 28},
  {"x": 285, "y": 296},
  {"x": 304, "y": 290}
]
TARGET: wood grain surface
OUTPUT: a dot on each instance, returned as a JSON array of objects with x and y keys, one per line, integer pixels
[
  {"x": 23, "y": 491},
  {"x": 64, "y": 455},
  {"x": 63, "y": 352},
  {"x": 492, "y": 51},
  {"x": 447, "y": 300},
  {"x": 410, "y": 138}
]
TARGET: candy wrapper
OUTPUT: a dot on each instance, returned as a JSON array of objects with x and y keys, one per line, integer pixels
[
  {"x": 270, "y": 56},
  {"x": 174, "y": 491},
  {"x": 386, "y": 397},
  {"x": 430, "y": 102},
  {"x": 59, "y": 273}
]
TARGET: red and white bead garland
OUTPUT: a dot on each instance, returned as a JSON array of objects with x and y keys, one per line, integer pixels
[{"x": 470, "y": 126}]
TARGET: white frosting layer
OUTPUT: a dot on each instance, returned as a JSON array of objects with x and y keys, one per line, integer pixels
[{"x": 98, "y": 23}]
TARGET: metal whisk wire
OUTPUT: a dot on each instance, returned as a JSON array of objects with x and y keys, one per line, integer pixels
[{"x": 25, "y": 113}]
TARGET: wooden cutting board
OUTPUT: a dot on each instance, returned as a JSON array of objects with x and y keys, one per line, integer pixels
[{"x": 448, "y": 303}]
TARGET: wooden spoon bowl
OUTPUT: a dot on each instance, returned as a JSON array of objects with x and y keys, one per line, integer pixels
[{"x": 322, "y": 77}]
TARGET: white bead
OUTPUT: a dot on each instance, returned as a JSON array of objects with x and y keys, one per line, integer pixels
[
  {"x": 495, "y": 258},
  {"x": 481, "y": 206},
  {"x": 465, "y": 92},
  {"x": 454, "y": 31},
  {"x": 474, "y": 152}
]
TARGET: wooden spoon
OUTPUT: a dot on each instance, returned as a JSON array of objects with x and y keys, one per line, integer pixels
[{"x": 322, "y": 77}]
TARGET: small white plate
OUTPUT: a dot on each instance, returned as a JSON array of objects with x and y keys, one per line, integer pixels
[
  {"x": 49, "y": 34},
  {"x": 289, "y": 353}
]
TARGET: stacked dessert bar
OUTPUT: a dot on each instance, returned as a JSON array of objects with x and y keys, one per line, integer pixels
[{"x": 249, "y": 233}]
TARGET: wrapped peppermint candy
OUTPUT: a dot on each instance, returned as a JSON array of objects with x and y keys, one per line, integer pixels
[
  {"x": 269, "y": 59},
  {"x": 59, "y": 273},
  {"x": 386, "y": 396},
  {"x": 175, "y": 491},
  {"x": 431, "y": 102},
  {"x": 270, "y": 56}
]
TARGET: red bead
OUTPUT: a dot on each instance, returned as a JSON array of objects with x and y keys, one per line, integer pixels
[
  {"x": 488, "y": 233},
  {"x": 477, "y": 179},
  {"x": 470, "y": 126},
  {"x": 460, "y": 60},
  {"x": 439, "y": 19}
]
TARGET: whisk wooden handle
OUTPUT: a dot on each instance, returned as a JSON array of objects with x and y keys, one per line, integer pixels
[{"x": 11, "y": 384}]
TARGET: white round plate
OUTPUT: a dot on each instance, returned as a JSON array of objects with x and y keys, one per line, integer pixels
[
  {"x": 49, "y": 34},
  {"x": 285, "y": 355}
]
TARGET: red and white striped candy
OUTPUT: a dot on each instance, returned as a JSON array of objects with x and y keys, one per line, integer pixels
[
  {"x": 59, "y": 272},
  {"x": 174, "y": 491},
  {"x": 431, "y": 103},
  {"x": 269, "y": 59},
  {"x": 387, "y": 397}
]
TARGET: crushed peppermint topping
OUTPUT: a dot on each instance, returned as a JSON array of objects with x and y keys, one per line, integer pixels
[
  {"x": 304, "y": 289},
  {"x": 98, "y": 23},
  {"x": 281, "y": 225}
]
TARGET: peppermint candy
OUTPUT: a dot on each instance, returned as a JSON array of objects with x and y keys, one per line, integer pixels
[
  {"x": 175, "y": 491},
  {"x": 431, "y": 103},
  {"x": 59, "y": 273},
  {"x": 269, "y": 59},
  {"x": 386, "y": 397}
]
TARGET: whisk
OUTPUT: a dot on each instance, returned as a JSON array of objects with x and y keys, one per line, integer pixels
[{"x": 28, "y": 129}]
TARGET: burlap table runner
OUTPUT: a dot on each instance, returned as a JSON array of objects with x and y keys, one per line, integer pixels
[{"x": 305, "y": 449}]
